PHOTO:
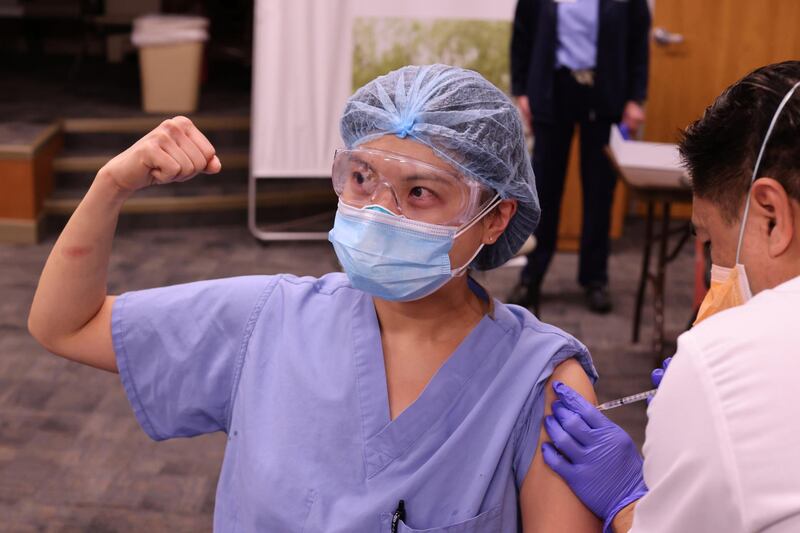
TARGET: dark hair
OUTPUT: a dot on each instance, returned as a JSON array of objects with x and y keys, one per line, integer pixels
[{"x": 720, "y": 149}]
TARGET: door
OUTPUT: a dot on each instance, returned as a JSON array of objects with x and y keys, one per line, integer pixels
[{"x": 697, "y": 48}]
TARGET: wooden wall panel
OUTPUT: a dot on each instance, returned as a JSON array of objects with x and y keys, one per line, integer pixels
[
  {"x": 18, "y": 198},
  {"x": 26, "y": 179}
]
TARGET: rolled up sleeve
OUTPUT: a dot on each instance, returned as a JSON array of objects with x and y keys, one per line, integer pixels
[{"x": 180, "y": 349}]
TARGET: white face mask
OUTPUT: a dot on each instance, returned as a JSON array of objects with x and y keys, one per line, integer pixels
[{"x": 729, "y": 286}]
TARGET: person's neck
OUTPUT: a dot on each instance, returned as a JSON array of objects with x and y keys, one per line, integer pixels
[
  {"x": 454, "y": 306},
  {"x": 792, "y": 265},
  {"x": 785, "y": 271},
  {"x": 776, "y": 271}
]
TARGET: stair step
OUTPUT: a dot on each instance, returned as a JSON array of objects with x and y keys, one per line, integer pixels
[
  {"x": 164, "y": 204},
  {"x": 93, "y": 163},
  {"x": 176, "y": 198},
  {"x": 228, "y": 178},
  {"x": 190, "y": 204},
  {"x": 100, "y": 143},
  {"x": 201, "y": 185},
  {"x": 89, "y": 143},
  {"x": 147, "y": 123}
]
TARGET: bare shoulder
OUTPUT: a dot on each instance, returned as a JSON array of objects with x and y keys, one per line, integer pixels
[
  {"x": 571, "y": 373},
  {"x": 546, "y": 501}
]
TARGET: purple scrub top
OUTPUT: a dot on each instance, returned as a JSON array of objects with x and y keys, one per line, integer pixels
[{"x": 292, "y": 370}]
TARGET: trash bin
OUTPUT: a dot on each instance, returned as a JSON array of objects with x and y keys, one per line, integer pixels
[{"x": 170, "y": 59}]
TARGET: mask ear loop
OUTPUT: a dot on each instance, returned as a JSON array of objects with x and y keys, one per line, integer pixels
[
  {"x": 758, "y": 164},
  {"x": 460, "y": 270}
]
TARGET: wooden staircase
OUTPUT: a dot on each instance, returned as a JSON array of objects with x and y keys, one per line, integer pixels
[
  {"x": 223, "y": 198},
  {"x": 90, "y": 142}
]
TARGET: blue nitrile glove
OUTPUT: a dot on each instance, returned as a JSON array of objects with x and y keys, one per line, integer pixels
[
  {"x": 596, "y": 458},
  {"x": 657, "y": 375}
]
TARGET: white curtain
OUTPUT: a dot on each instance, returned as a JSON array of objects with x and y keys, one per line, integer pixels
[{"x": 302, "y": 72}]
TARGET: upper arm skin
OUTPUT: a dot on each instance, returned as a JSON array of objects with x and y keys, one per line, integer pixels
[
  {"x": 546, "y": 501},
  {"x": 91, "y": 344}
]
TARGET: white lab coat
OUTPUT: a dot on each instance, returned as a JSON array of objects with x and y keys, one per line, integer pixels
[{"x": 722, "y": 450}]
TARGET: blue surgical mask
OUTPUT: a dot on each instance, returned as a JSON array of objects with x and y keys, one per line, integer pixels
[{"x": 393, "y": 257}]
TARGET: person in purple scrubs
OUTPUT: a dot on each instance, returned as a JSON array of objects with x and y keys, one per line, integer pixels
[{"x": 396, "y": 396}]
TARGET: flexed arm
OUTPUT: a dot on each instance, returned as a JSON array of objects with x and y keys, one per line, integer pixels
[{"x": 71, "y": 310}]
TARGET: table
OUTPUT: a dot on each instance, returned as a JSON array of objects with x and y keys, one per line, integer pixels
[
  {"x": 652, "y": 198},
  {"x": 655, "y": 177}
]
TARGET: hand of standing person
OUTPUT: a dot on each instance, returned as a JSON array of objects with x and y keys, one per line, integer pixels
[
  {"x": 524, "y": 106},
  {"x": 633, "y": 117}
]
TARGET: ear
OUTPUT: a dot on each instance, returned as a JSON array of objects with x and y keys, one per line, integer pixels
[
  {"x": 772, "y": 215},
  {"x": 495, "y": 223}
]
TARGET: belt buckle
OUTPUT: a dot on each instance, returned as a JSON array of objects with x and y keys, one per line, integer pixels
[{"x": 584, "y": 76}]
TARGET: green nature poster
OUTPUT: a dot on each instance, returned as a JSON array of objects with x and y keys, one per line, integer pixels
[{"x": 385, "y": 44}]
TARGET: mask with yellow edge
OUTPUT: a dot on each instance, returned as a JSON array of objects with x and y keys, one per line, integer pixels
[{"x": 729, "y": 286}]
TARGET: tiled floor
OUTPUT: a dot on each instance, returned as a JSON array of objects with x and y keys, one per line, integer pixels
[{"x": 72, "y": 457}]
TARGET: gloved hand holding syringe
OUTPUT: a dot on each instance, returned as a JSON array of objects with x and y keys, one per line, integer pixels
[
  {"x": 619, "y": 402},
  {"x": 656, "y": 377},
  {"x": 586, "y": 446}
]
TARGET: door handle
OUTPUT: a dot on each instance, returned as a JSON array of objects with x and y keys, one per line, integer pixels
[{"x": 663, "y": 37}]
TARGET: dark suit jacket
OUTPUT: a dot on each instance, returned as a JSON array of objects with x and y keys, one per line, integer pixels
[{"x": 622, "y": 55}]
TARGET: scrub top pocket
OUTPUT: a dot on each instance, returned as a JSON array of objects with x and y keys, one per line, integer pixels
[{"x": 486, "y": 522}]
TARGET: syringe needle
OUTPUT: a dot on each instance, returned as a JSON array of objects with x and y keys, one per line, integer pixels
[{"x": 626, "y": 400}]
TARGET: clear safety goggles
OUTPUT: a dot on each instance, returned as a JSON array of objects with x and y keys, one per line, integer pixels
[{"x": 419, "y": 191}]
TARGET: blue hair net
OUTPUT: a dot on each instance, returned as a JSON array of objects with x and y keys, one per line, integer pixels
[{"x": 465, "y": 120}]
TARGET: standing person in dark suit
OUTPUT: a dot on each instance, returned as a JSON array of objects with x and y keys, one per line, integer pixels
[{"x": 577, "y": 62}]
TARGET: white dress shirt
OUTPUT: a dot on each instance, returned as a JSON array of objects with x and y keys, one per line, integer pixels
[{"x": 722, "y": 450}]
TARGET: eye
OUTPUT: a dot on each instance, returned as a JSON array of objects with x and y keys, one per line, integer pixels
[
  {"x": 419, "y": 192},
  {"x": 422, "y": 195},
  {"x": 361, "y": 175}
]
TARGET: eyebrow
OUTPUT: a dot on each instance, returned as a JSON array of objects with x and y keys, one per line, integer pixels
[
  {"x": 421, "y": 177},
  {"x": 409, "y": 178},
  {"x": 362, "y": 161}
]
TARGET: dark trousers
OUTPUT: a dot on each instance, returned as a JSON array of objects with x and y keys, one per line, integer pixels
[{"x": 574, "y": 105}]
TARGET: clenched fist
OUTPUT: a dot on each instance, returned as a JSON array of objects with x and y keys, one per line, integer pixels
[{"x": 174, "y": 151}]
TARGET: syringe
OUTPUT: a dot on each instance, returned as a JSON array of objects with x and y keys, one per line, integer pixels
[{"x": 626, "y": 400}]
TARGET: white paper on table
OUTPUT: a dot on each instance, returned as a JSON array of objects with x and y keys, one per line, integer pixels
[{"x": 648, "y": 164}]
